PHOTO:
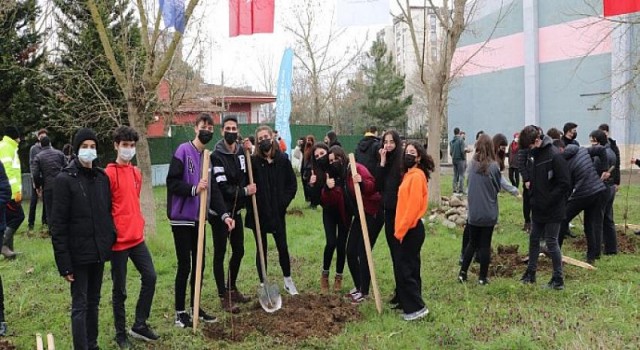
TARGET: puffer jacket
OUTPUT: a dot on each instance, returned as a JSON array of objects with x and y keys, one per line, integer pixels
[
  {"x": 82, "y": 229},
  {"x": 46, "y": 166},
  {"x": 584, "y": 178}
]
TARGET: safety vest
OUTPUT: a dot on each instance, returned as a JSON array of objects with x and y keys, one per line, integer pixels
[{"x": 11, "y": 161}]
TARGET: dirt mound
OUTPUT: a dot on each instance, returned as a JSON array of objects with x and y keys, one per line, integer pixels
[
  {"x": 507, "y": 262},
  {"x": 6, "y": 345},
  {"x": 301, "y": 317},
  {"x": 295, "y": 212},
  {"x": 627, "y": 244}
]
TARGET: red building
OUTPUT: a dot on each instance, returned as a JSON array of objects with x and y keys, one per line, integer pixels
[{"x": 216, "y": 100}]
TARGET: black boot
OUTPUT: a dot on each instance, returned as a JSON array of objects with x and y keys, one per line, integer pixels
[
  {"x": 556, "y": 283},
  {"x": 462, "y": 276},
  {"x": 529, "y": 277}
]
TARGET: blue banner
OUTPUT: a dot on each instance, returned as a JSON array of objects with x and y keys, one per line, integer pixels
[
  {"x": 173, "y": 14},
  {"x": 283, "y": 97}
]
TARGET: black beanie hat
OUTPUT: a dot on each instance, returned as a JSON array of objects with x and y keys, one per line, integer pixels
[
  {"x": 83, "y": 135},
  {"x": 12, "y": 132}
]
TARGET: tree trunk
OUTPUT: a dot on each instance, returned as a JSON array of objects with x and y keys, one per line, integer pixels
[
  {"x": 147, "y": 200},
  {"x": 433, "y": 142}
]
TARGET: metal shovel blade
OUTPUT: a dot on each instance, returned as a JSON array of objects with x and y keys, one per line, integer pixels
[{"x": 269, "y": 297}]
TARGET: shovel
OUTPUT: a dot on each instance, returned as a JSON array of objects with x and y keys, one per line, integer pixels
[{"x": 268, "y": 294}]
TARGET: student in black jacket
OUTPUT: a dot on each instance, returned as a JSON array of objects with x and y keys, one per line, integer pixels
[
  {"x": 549, "y": 186},
  {"x": 609, "y": 238},
  {"x": 273, "y": 175},
  {"x": 82, "y": 233},
  {"x": 230, "y": 173}
]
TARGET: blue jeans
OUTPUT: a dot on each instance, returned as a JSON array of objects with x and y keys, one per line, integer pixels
[
  {"x": 458, "y": 175},
  {"x": 550, "y": 233}
]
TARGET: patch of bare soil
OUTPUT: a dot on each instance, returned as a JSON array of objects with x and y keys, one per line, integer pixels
[
  {"x": 302, "y": 316},
  {"x": 6, "y": 345},
  {"x": 627, "y": 243},
  {"x": 295, "y": 212},
  {"x": 507, "y": 262}
]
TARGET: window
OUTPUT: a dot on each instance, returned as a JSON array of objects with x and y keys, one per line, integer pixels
[{"x": 241, "y": 116}]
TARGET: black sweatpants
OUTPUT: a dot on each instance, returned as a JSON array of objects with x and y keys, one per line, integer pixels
[
  {"x": 141, "y": 259},
  {"x": 409, "y": 282},
  {"x": 609, "y": 237},
  {"x": 185, "y": 239},
  {"x": 514, "y": 176},
  {"x": 335, "y": 233},
  {"x": 356, "y": 253},
  {"x": 480, "y": 242},
  {"x": 220, "y": 236},
  {"x": 280, "y": 237},
  {"x": 85, "y": 299},
  {"x": 526, "y": 204},
  {"x": 593, "y": 207},
  {"x": 33, "y": 203},
  {"x": 392, "y": 242}
]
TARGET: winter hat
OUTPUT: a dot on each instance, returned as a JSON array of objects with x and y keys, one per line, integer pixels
[
  {"x": 83, "y": 135},
  {"x": 12, "y": 132}
]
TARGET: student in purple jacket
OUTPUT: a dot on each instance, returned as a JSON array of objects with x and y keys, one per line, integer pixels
[{"x": 184, "y": 184}]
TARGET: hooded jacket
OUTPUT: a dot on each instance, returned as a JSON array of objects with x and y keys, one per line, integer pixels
[
  {"x": 277, "y": 186},
  {"x": 550, "y": 183},
  {"x": 230, "y": 173},
  {"x": 584, "y": 177},
  {"x": 82, "y": 229},
  {"x": 125, "y": 181},
  {"x": 367, "y": 152},
  {"x": 413, "y": 201},
  {"x": 46, "y": 165}
]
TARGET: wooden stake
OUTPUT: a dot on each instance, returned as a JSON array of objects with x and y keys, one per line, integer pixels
[
  {"x": 365, "y": 235},
  {"x": 202, "y": 220},
  {"x": 50, "y": 343},
  {"x": 567, "y": 260},
  {"x": 39, "y": 345}
]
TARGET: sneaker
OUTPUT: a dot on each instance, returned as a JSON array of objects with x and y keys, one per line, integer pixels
[
  {"x": 416, "y": 315},
  {"x": 237, "y": 297},
  {"x": 183, "y": 320},
  {"x": 206, "y": 318},
  {"x": 529, "y": 277},
  {"x": 123, "y": 342},
  {"x": 3, "y": 329},
  {"x": 143, "y": 332},
  {"x": 556, "y": 283},
  {"x": 462, "y": 277},
  {"x": 289, "y": 286},
  {"x": 357, "y": 298},
  {"x": 483, "y": 281},
  {"x": 350, "y": 294}
]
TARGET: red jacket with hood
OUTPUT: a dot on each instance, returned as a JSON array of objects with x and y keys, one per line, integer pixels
[{"x": 126, "y": 183}]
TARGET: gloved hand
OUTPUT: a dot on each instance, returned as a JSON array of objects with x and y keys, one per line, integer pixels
[{"x": 18, "y": 197}]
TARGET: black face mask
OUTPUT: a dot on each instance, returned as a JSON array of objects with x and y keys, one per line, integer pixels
[
  {"x": 323, "y": 162},
  {"x": 575, "y": 136},
  {"x": 409, "y": 161},
  {"x": 205, "y": 136},
  {"x": 501, "y": 153},
  {"x": 265, "y": 145},
  {"x": 230, "y": 137},
  {"x": 337, "y": 169}
]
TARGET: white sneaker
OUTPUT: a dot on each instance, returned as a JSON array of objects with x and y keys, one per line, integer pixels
[
  {"x": 289, "y": 286},
  {"x": 416, "y": 315}
]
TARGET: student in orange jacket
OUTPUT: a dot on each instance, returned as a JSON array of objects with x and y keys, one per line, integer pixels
[
  {"x": 125, "y": 181},
  {"x": 409, "y": 229}
]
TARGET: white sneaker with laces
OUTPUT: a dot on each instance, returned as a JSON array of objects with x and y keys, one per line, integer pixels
[{"x": 289, "y": 286}]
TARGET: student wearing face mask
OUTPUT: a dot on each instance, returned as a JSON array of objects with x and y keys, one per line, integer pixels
[
  {"x": 125, "y": 181},
  {"x": 184, "y": 184},
  {"x": 306, "y": 167},
  {"x": 339, "y": 191},
  {"x": 230, "y": 173},
  {"x": 82, "y": 234},
  {"x": 413, "y": 195},
  {"x": 274, "y": 176}
]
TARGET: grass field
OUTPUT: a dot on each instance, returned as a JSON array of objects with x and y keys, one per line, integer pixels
[{"x": 598, "y": 309}]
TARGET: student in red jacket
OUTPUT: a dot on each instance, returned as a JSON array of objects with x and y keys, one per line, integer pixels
[
  {"x": 125, "y": 181},
  {"x": 413, "y": 197}
]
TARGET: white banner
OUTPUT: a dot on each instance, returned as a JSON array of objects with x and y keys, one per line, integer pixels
[{"x": 362, "y": 12}]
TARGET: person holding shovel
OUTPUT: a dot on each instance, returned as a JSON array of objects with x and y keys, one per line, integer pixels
[
  {"x": 230, "y": 173},
  {"x": 184, "y": 185},
  {"x": 409, "y": 229},
  {"x": 335, "y": 218},
  {"x": 339, "y": 191},
  {"x": 273, "y": 174}
]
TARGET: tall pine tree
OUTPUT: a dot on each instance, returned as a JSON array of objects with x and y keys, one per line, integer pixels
[
  {"x": 87, "y": 92},
  {"x": 383, "y": 88}
]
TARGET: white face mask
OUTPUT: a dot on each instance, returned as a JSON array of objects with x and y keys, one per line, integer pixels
[
  {"x": 127, "y": 154},
  {"x": 87, "y": 155}
]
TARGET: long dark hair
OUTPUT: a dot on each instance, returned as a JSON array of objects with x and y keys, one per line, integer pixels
[
  {"x": 320, "y": 173},
  {"x": 426, "y": 163},
  {"x": 396, "y": 156},
  {"x": 498, "y": 141},
  {"x": 274, "y": 145},
  {"x": 485, "y": 154},
  {"x": 308, "y": 150}
]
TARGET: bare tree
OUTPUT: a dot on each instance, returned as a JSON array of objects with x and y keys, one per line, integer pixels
[
  {"x": 140, "y": 91},
  {"x": 323, "y": 68}
]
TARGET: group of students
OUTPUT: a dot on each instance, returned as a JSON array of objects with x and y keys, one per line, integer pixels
[{"x": 560, "y": 180}]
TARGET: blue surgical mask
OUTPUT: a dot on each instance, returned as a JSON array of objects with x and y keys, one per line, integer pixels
[
  {"x": 87, "y": 155},
  {"x": 127, "y": 154}
]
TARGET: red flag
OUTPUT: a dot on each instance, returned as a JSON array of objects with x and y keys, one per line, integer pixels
[
  {"x": 620, "y": 7},
  {"x": 247, "y": 17}
]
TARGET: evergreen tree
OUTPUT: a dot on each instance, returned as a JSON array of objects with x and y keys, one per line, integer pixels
[
  {"x": 87, "y": 92},
  {"x": 383, "y": 88},
  {"x": 22, "y": 94}
]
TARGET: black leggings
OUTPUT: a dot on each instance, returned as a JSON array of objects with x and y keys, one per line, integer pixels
[
  {"x": 335, "y": 231},
  {"x": 514, "y": 176},
  {"x": 280, "y": 237},
  {"x": 356, "y": 253},
  {"x": 220, "y": 236},
  {"x": 479, "y": 237},
  {"x": 185, "y": 239}
]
